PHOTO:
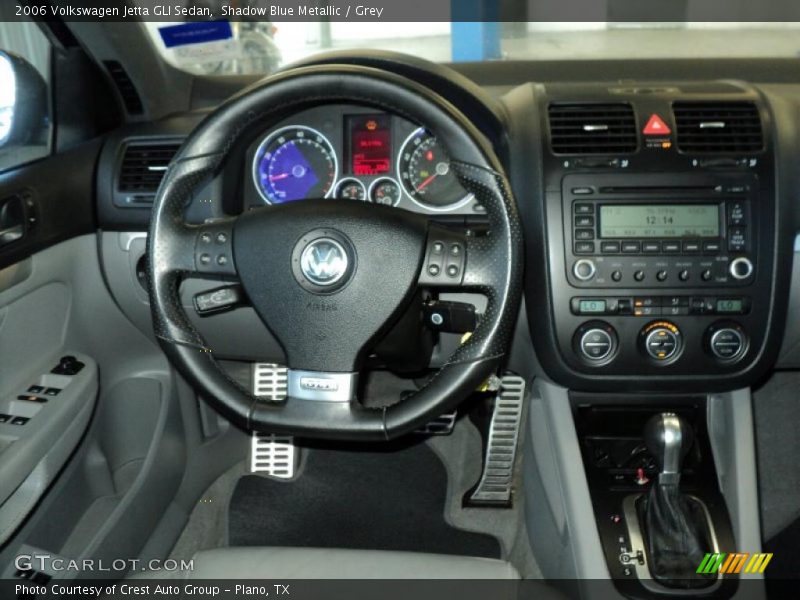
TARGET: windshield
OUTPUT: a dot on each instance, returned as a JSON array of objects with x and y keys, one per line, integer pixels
[{"x": 240, "y": 48}]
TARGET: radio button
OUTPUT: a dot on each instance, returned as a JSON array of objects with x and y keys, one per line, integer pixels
[
  {"x": 584, "y": 221},
  {"x": 651, "y": 247},
  {"x": 584, "y": 247},
  {"x": 712, "y": 247},
  {"x": 582, "y": 191},
  {"x": 616, "y": 276},
  {"x": 661, "y": 275},
  {"x": 737, "y": 239},
  {"x": 684, "y": 275},
  {"x": 609, "y": 247},
  {"x": 737, "y": 214},
  {"x": 631, "y": 247},
  {"x": 638, "y": 276},
  {"x": 671, "y": 247},
  {"x": 584, "y": 234},
  {"x": 581, "y": 208},
  {"x": 691, "y": 247},
  {"x": 706, "y": 275},
  {"x": 584, "y": 269}
]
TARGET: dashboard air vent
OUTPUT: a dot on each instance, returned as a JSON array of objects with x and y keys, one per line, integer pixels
[
  {"x": 130, "y": 97},
  {"x": 592, "y": 128},
  {"x": 718, "y": 127},
  {"x": 143, "y": 166}
]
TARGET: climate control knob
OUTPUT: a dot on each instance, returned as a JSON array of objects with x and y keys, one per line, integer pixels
[
  {"x": 740, "y": 268},
  {"x": 662, "y": 341},
  {"x": 583, "y": 269},
  {"x": 595, "y": 342},
  {"x": 726, "y": 341}
]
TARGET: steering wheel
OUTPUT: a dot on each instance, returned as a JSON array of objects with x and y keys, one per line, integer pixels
[{"x": 329, "y": 278}]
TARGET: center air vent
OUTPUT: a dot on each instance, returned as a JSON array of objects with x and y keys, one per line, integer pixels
[
  {"x": 592, "y": 128},
  {"x": 718, "y": 127}
]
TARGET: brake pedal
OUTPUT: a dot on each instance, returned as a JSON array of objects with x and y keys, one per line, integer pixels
[
  {"x": 495, "y": 487},
  {"x": 270, "y": 454}
]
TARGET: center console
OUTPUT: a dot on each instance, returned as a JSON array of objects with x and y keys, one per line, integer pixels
[{"x": 661, "y": 246}]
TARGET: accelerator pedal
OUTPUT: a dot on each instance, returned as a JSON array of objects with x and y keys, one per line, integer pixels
[
  {"x": 495, "y": 487},
  {"x": 270, "y": 454}
]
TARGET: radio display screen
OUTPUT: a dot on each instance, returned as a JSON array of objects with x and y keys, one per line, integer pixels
[{"x": 659, "y": 221}]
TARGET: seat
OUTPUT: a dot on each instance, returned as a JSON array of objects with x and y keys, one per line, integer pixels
[{"x": 324, "y": 563}]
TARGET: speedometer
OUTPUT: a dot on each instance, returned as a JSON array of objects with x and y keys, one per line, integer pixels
[
  {"x": 425, "y": 173},
  {"x": 294, "y": 163}
]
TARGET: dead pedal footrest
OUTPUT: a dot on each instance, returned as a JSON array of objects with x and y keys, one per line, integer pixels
[{"x": 495, "y": 487}]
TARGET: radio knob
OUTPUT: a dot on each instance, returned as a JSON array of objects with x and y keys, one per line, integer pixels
[
  {"x": 741, "y": 268},
  {"x": 662, "y": 341},
  {"x": 584, "y": 269}
]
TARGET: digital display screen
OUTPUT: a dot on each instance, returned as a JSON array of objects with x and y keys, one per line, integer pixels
[
  {"x": 730, "y": 306},
  {"x": 592, "y": 306},
  {"x": 659, "y": 221},
  {"x": 370, "y": 144}
]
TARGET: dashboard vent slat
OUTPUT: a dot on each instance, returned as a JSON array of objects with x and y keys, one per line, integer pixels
[
  {"x": 143, "y": 166},
  {"x": 718, "y": 127},
  {"x": 125, "y": 87},
  {"x": 592, "y": 128}
]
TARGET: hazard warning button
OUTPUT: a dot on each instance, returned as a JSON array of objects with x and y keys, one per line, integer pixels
[{"x": 656, "y": 126}]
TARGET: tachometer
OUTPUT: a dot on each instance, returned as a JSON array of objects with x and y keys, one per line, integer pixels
[
  {"x": 294, "y": 163},
  {"x": 424, "y": 169}
]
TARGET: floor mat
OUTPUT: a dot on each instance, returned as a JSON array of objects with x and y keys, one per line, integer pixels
[{"x": 374, "y": 498}]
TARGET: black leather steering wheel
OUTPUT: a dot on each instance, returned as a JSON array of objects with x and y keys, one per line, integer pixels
[{"x": 329, "y": 278}]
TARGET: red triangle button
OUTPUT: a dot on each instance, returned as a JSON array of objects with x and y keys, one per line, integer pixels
[{"x": 656, "y": 126}]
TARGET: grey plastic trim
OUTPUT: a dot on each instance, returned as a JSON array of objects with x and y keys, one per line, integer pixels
[
  {"x": 554, "y": 453},
  {"x": 731, "y": 431}
]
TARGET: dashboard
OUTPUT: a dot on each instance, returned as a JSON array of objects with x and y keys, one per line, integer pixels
[
  {"x": 348, "y": 152},
  {"x": 657, "y": 257}
]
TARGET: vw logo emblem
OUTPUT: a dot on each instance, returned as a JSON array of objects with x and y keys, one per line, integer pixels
[{"x": 324, "y": 262}]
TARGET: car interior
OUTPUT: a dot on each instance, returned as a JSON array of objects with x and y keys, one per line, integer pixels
[{"x": 360, "y": 314}]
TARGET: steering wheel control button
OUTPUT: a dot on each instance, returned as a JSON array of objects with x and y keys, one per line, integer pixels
[
  {"x": 323, "y": 261},
  {"x": 584, "y": 269},
  {"x": 218, "y": 300},
  {"x": 662, "y": 341},
  {"x": 741, "y": 268},
  {"x": 445, "y": 259},
  {"x": 596, "y": 342},
  {"x": 726, "y": 341},
  {"x": 213, "y": 250}
]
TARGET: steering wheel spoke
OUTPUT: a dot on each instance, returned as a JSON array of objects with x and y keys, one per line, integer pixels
[
  {"x": 455, "y": 260},
  {"x": 321, "y": 386},
  {"x": 212, "y": 248}
]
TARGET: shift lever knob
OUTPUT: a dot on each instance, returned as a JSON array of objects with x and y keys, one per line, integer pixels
[{"x": 669, "y": 438}]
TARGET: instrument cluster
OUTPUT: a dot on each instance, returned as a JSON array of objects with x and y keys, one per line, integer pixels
[{"x": 357, "y": 154}]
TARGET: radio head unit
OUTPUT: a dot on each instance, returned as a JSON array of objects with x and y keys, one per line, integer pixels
[{"x": 658, "y": 236}]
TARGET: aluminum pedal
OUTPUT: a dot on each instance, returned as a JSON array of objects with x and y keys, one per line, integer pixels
[
  {"x": 270, "y": 454},
  {"x": 273, "y": 455},
  {"x": 497, "y": 480},
  {"x": 270, "y": 381},
  {"x": 442, "y": 425}
]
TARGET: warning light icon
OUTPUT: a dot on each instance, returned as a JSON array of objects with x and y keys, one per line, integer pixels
[{"x": 656, "y": 126}]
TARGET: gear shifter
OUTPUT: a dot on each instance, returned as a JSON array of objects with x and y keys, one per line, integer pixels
[{"x": 675, "y": 527}]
